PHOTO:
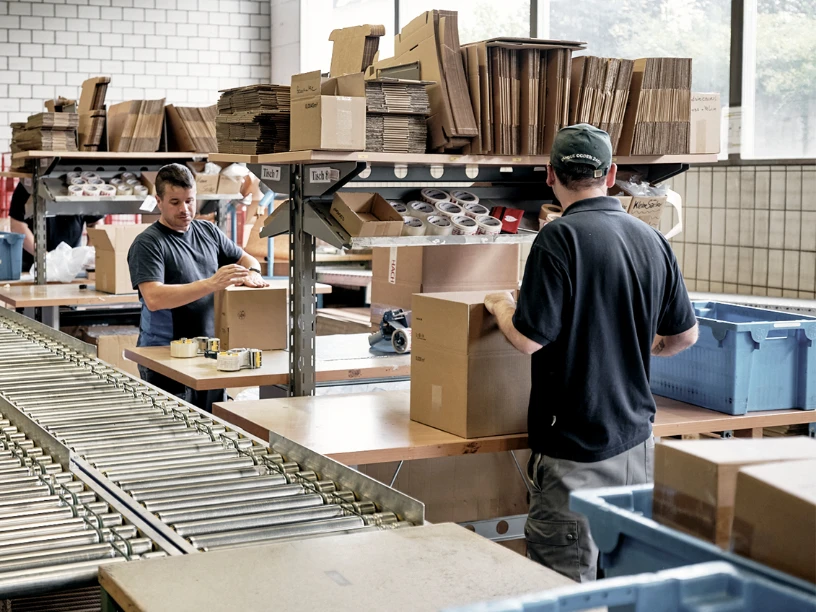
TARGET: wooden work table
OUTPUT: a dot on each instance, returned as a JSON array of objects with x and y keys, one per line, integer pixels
[
  {"x": 339, "y": 358},
  {"x": 369, "y": 428},
  {"x": 431, "y": 568}
]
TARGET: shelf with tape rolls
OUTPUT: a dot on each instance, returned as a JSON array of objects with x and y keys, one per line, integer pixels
[{"x": 311, "y": 178}]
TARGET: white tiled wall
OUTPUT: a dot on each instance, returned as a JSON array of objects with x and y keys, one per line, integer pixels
[{"x": 182, "y": 50}]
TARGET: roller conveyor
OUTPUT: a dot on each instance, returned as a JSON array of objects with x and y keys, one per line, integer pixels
[{"x": 199, "y": 482}]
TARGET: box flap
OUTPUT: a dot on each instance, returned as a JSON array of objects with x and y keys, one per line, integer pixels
[
  {"x": 115, "y": 237},
  {"x": 306, "y": 85},
  {"x": 793, "y": 477},
  {"x": 352, "y": 85},
  {"x": 351, "y": 49},
  {"x": 746, "y": 451}
]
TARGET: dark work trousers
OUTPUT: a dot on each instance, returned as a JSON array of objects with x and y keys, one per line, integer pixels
[
  {"x": 200, "y": 399},
  {"x": 560, "y": 538}
]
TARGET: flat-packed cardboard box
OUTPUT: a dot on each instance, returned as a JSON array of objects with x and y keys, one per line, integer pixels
[
  {"x": 366, "y": 214},
  {"x": 111, "y": 243},
  {"x": 775, "y": 516},
  {"x": 354, "y": 48},
  {"x": 327, "y": 113},
  {"x": 466, "y": 377},
  {"x": 229, "y": 184},
  {"x": 206, "y": 184},
  {"x": 110, "y": 342},
  {"x": 400, "y": 272},
  {"x": 696, "y": 480},
  {"x": 706, "y": 115},
  {"x": 246, "y": 317}
]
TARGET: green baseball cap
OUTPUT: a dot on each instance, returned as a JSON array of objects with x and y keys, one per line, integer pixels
[{"x": 582, "y": 144}]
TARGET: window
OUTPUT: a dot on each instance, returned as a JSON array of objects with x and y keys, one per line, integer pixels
[
  {"x": 478, "y": 19},
  {"x": 779, "y": 100},
  {"x": 319, "y": 17}
]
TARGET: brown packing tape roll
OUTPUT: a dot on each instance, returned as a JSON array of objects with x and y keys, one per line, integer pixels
[{"x": 546, "y": 209}]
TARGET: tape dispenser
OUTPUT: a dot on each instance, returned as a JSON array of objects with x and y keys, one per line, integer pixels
[{"x": 233, "y": 360}]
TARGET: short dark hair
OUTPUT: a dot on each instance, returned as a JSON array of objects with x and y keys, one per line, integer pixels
[
  {"x": 176, "y": 175},
  {"x": 578, "y": 176}
]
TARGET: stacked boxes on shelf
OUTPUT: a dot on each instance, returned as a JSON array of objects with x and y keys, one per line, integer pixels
[{"x": 253, "y": 120}]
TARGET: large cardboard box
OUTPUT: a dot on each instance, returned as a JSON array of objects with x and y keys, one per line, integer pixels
[
  {"x": 110, "y": 342},
  {"x": 246, "y": 317},
  {"x": 366, "y": 214},
  {"x": 466, "y": 377},
  {"x": 327, "y": 113},
  {"x": 696, "y": 480},
  {"x": 206, "y": 184},
  {"x": 400, "y": 272},
  {"x": 112, "y": 243},
  {"x": 775, "y": 516},
  {"x": 706, "y": 115}
]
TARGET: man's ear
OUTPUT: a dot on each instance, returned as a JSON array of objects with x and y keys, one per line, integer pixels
[
  {"x": 611, "y": 176},
  {"x": 550, "y": 176}
]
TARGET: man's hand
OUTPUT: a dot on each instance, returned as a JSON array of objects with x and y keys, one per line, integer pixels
[
  {"x": 254, "y": 280},
  {"x": 493, "y": 301},
  {"x": 227, "y": 276}
]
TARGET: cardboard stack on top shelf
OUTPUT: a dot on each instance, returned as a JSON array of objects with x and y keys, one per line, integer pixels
[
  {"x": 61, "y": 105},
  {"x": 136, "y": 126},
  {"x": 599, "y": 92},
  {"x": 396, "y": 115},
  {"x": 354, "y": 48},
  {"x": 431, "y": 44},
  {"x": 46, "y": 132},
  {"x": 657, "y": 119},
  {"x": 253, "y": 120},
  {"x": 92, "y": 113},
  {"x": 519, "y": 91},
  {"x": 191, "y": 128}
]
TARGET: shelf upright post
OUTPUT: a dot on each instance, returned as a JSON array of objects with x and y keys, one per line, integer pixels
[
  {"x": 40, "y": 244},
  {"x": 302, "y": 281}
]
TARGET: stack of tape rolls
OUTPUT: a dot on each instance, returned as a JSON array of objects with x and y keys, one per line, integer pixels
[
  {"x": 107, "y": 190},
  {"x": 76, "y": 190},
  {"x": 401, "y": 340},
  {"x": 78, "y": 180},
  {"x": 399, "y": 207},
  {"x": 489, "y": 225},
  {"x": 476, "y": 210},
  {"x": 462, "y": 198},
  {"x": 139, "y": 190},
  {"x": 412, "y": 226},
  {"x": 464, "y": 226},
  {"x": 127, "y": 176},
  {"x": 90, "y": 190},
  {"x": 184, "y": 348},
  {"x": 432, "y": 196},
  {"x": 439, "y": 225},
  {"x": 124, "y": 190},
  {"x": 449, "y": 209},
  {"x": 420, "y": 210}
]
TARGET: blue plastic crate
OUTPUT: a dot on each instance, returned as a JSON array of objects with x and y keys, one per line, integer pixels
[
  {"x": 746, "y": 359},
  {"x": 11, "y": 256},
  {"x": 707, "y": 587},
  {"x": 630, "y": 542}
]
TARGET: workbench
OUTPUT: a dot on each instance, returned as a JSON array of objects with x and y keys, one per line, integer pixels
[
  {"x": 422, "y": 568},
  {"x": 339, "y": 359},
  {"x": 51, "y": 297}
]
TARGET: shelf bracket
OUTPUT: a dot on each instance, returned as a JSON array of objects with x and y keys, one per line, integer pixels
[
  {"x": 319, "y": 223},
  {"x": 278, "y": 222}
]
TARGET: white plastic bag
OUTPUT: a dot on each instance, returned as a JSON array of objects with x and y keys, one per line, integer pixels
[{"x": 64, "y": 263}]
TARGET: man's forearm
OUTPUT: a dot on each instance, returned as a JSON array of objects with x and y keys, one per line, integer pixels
[
  {"x": 248, "y": 261},
  {"x": 504, "y": 316},
  {"x": 19, "y": 227},
  {"x": 165, "y": 297}
]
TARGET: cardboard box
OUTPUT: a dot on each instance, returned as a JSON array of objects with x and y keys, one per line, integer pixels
[
  {"x": 112, "y": 243},
  {"x": 327, "y": 113},
  {"x": 205, "y": 183},
  {"x": 110, "y": 342},
  {"x": 775, "y": 516},
  {"x": 696, "y": 480},
  {"x": 400, "y": 272},
  {"x": 366, "y": 214},
  {"x": 705, "y": 123},
  {"x": 252, "y": 318},
  {"x": 149, "y": 180},
  {"x": 466, "y": 377},
  {"x": 354, "y": 48},
  {"x": 229, "y": 184}
]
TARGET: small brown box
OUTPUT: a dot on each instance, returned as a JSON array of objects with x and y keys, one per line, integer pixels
[
  {"x": 111, "y": 243},
  {"x": 327, "y": 114},
  {"x": 247, "y": 317},
  {"x": 366, "y": 214}
]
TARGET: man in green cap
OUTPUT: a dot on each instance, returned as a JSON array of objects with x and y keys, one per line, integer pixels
[{"x": 601, "y": 294}]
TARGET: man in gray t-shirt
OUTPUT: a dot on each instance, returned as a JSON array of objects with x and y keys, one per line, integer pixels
[{"x": 177, "y": 264}]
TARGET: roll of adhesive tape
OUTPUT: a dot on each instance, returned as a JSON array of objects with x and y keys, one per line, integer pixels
[
  {"x": 116, "y": 181},
  {"x": 89, "y": 175},
  {"x": 401, "y": 340},
  {"x": 184, "y": 348},
  {"x": 438, "y": 225},
  {"x": 107, "y": 190},
  {"x": 75, "y": 190},
  {"x": 132, "y": 182},
  {"x": 474, "y": 211},
  {"x": 90, "y": 190},
  {"x": 420, "y": 210},
  {"x": 229, "y": 361},
  {"x": 546, "y": 209},
  {"x": 399, "y": 207},
  {"x": 254, "y": 358},
  {"x": 95, "y": 181},
  {"x": 412, "y": 226},
  {"x": 78, "y": 180},
  {"x": 464, "y": 226},
  {"x": 140, "y": 190},
  {"x": 213, "y": 345},
  {"x": 464, "y": 197},
  {"x": 128, "y": 175},
  {"x": 489, "y": 226},
  {"x": 72, "y": 175},
  {"x": 124, "y": 190},
  {"x": 432, "y": 196},
  {"x": 449, "y": 209},
  {"x": 553, "y": 216}
]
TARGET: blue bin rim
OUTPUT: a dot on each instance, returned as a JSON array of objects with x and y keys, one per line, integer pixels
[
  {"x": 789, "y": 320},
  {"x": 593, "y": 504},
  {"x": 12, "y": 236}
]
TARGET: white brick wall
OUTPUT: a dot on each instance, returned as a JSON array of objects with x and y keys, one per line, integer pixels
[{"x": 182, "y": 50}]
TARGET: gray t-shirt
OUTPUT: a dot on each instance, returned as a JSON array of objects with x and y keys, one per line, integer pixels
[{"x": 177, "y": 258}]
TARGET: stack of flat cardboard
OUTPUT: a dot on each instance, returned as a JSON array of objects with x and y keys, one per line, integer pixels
[
  {"x": 396, "y": 115},
  {"x": 432, "y": 41},
  {"x": 658, "y": 116},
  {"x": 355, "y": 48},
  {"x": 192, "y": 128},
  {"x": 519, "y": 91},
  {"x": 600, "y": 90},
  {"x": 253, "y": 120},
  {"x": 92, "y": 113},
  {"x": 61, "y": 105},
  {"x": 46, "y": 132},
  {"x": 136, "y": 125}
]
